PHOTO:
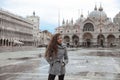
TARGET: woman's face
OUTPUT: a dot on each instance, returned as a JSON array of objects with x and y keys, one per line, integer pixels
[{"x": 59, "y": 40}]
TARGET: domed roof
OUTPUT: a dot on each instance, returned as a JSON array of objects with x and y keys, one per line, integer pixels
[
  {"x": 80, "y": 19},
  {"x": 117, "y": 18},
  {"x": 98, "y": 14},
  {"x": 117, "y": 15},
  {"x": 94, "y": 14}
]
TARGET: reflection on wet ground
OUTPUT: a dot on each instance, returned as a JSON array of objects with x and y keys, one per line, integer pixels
[
  {"x": 23, "y": 58},
  {"x": 104, "y": 54},
  {"x": 96, "y": 64},
  {"x": 20, "y": 67},
  {"x": 84, "y": 64}
]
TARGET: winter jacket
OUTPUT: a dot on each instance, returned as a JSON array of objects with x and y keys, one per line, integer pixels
[{"x": 56, "y": 64}]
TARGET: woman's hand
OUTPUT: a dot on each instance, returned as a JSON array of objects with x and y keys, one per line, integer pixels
[{"x": 63, "y": 64}]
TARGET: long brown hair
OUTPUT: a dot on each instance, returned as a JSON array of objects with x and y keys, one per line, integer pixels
[{"x": 52, "y": 47}]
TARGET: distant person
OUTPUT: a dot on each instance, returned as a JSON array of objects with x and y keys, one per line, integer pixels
[
  {"x": 111, "y": 45},
  {"x": 46, "y": 46},
  {"x": 56, "y": 56}
]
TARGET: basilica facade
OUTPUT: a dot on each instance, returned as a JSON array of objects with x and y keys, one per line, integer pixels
[{"x": 94, "y": 31}]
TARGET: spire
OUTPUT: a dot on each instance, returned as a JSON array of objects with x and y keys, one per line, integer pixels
[
  {"x": 72, "y": 20},
  {"x": 88, "y": 12},
  {"x": 78, "y": 13},
  {"x": 33, "y": 13},
  {"x": 100, "y": 9},
  {"x": 63, "y": 22},
  {"x": 95, "y": 8},
  {"x": 58, "y": 17},
  {"x": 67, "y": 21},
  {"x": 81, "y": 13}
]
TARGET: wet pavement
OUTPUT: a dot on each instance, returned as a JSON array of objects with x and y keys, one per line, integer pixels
[{"x": 84, "y": 64}]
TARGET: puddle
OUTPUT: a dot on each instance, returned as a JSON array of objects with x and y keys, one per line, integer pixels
[
  {"x": 23, "y": 58},
  {"x": 104, "y": 54}
]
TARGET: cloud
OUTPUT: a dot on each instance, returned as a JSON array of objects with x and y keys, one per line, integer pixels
[
  {"x": 48, "y": 10},
  {"x": 118, "y": 2}
]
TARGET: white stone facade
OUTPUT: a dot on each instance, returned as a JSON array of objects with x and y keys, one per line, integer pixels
[
  {"x": 95, "y": 30},
  {"x": 45, "y": 37},
  {"x": 36, "y": 21},
  {"x": 14, "y": 29}
]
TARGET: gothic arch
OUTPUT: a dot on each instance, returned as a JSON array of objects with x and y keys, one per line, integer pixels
[
  {"x": 1, "y": 42},
  {"x": 110, "y": 40},
  {"x": 101, "y": 40},
  {"x": 88, "y": 27},
  {"x": 7, "y": 42},
  {"x": 87, "y": 37},
  {"x": 4, "y": 42},
  {"x": 75, "y": 40},
  {"x": 66, "y": 38}
]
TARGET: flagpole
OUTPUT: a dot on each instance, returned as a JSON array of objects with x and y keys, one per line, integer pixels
[
  {"x": 78, "y": 13},
  {"x": 58, "y": 17}
]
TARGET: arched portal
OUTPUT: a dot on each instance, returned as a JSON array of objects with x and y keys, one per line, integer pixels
[
  {"x": 110, "y": 40},
  {"x": 4, "y": 42},
  {"x": 1, "y": 42},
  {"x": 67, "y": 40},
  {"x": 87, "y": 37},
  {"x": 7, "y": 42},
  {"x": 88, "y": 27},
  {"x": 100, "y": 40},
  {"x": 75, "y": 40}
]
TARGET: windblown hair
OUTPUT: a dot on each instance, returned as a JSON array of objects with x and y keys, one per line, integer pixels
[{"x": 52, "y": 47}]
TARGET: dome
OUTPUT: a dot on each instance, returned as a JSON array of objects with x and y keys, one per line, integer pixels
[
  {"x": 98, "y": 14},
  {"x": 80, "y": 19},
  {"x": 94, "y": 14},
  {"x": 116, "y": 19},
  {"x": 117, "y": 15}
]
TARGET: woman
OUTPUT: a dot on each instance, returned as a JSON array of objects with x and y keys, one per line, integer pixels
[{"x": 56, "y": 56}]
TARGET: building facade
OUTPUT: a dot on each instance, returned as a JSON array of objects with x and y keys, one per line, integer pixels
[
  {"x": 36, "y": 22},
  {"x": 15, "y": 29},
  {"x": 95, "y": 30},
  {"x": 45, "y": 37}
]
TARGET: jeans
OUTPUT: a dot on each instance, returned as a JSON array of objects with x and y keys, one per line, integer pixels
[{"x": 52, "y": 77}]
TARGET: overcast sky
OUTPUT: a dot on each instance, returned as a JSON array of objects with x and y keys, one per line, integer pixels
[{"x": 48, "y": 10}]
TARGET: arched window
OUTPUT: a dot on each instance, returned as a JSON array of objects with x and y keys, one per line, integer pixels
[
  {"x": 88, "y": 27},
  {"x": 0, "y": 20},
  {"x": 61, "y": 31}
]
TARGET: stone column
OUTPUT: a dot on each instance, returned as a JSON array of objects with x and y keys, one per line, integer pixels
[
  {"x": 118, "y": 43},
  {"x": 106, "y": 43}
]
